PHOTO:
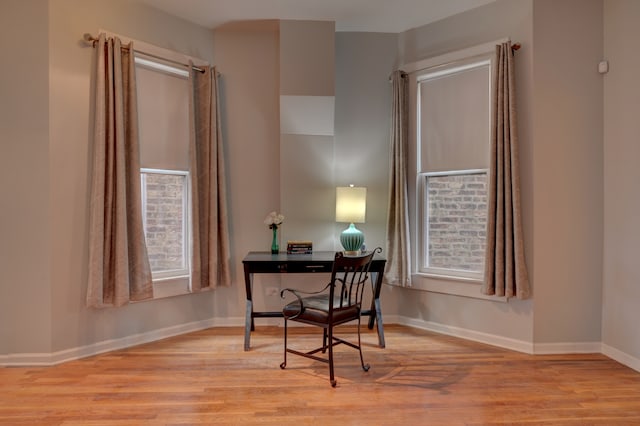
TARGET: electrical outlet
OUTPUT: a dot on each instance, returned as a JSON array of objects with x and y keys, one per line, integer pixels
[{"x": 273, "y": 291}]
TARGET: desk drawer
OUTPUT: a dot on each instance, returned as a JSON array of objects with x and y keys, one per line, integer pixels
[
  {"x": 289, "y": 267},
  {"x": 305, "y": 267}
]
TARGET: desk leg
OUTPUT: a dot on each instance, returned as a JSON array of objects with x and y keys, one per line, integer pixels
[
  {"x": 248, "y": 325},
  {"x": 376, "y": 311},
  {"x": 379, "y": 321}
]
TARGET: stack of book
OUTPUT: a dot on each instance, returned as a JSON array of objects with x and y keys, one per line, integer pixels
[{"x": 299, "y": 247}]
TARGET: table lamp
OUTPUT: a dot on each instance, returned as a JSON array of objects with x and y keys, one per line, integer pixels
[{"x": 351, "y": 207}]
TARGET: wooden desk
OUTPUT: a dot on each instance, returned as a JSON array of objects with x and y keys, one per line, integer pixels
[{"x": 319, "y": 262}]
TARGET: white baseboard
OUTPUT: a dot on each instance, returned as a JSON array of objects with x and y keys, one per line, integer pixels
[
  {"x": 47, "y": 359},
  {"x": 568, "y": 348},
  {"x": 476, "y": 336},
  {"x": 621, "y": 357},
  {"x": 519, "y": 345}
]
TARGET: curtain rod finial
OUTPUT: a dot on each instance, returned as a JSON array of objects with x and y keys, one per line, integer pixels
[{"x": 89, "y": 39}]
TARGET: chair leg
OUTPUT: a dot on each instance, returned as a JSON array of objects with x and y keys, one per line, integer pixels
[
  {"x": 327, "y": 343},
  {"x": 324, "y": 340},
  {"x": 365, "y": 367},
  {"x": 284, "y": 363},
  {"x": 332, "y": 379}
]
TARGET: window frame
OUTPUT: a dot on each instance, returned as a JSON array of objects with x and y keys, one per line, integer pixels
[
  {"x": 422, "y": 240},
  {"x": 172, "y": 275},
  {"x": 433, "y": 280}
]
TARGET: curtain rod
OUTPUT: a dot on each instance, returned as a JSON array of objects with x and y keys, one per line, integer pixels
[
  {"x": 514, "y": 47},
  {"x": 93, "y": 40}
]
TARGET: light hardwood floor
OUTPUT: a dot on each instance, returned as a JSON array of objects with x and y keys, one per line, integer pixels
[{"x": 421, "y": 378}]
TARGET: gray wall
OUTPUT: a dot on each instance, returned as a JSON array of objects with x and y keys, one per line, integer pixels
[
  {"x": 568, "y": 170},
  {"x": 45, "y": 124},
  {"x": 307, "y": 103},
  {"x": 45, "y": 174},
  {"x": 364, "y": 62},
  {"x": 69, "y": 179},
  {"x": 621, "y": 295},
  {"x": 559, "y": 102},
  {"x": 247, "y": 55},
  {"x": 514, "y": 19},
  {"x": 25, "y": 308}
]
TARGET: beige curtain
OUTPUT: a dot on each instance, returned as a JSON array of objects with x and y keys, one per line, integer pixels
[
  {"x": 505, "y": 269},
  {"x": 397, "y": 269},
  {"x": 119, "y": 269},
  {"x": 210, "y": 249}
]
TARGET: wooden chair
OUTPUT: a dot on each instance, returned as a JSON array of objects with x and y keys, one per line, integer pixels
[{"x": 348, "y": 279}]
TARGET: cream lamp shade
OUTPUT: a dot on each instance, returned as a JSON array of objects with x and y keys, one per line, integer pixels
[
  {"x": 351, "y": 207},
  {"x": 351, "y": 204}
]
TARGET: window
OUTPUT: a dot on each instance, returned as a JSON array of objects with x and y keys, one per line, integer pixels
[
  {"x": 164, "y": 90},
  {"x": 453, "y": 236},
  {"x": 450, "y": 103},
  {"x": 165, "y": 213},
  {"x": 163, "y": 121}
]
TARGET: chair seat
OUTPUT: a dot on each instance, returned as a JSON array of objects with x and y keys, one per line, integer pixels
[{"x": 316, "y": 310}]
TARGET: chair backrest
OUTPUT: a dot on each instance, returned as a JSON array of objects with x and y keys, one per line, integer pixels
[{"x": 348, "y": 279}]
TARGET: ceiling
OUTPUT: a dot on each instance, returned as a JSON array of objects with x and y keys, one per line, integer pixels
[{"x": 390, "y": 16}]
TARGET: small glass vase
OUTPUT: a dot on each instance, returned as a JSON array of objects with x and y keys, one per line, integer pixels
[{"x": 275, "y": 248}]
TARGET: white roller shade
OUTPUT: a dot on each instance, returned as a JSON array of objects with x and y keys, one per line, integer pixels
[
  {"x": 163, "y": 116},
  {"x": 454, "y": 112}
]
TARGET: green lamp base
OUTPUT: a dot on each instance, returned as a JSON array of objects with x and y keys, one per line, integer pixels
[{"x": 352, "y": 240}]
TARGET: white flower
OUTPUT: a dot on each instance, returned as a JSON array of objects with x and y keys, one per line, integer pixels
[{"x": 273, "y": 220}]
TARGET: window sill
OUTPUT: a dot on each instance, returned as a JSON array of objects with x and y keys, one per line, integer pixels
[
  {"x": 455, "y": 286},
  {"x": 167, "y": 287}
]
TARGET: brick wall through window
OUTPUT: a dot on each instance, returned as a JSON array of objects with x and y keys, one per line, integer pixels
[
  {"x": 456, "y": 222},
  {"x": 164, "y": 221}
]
